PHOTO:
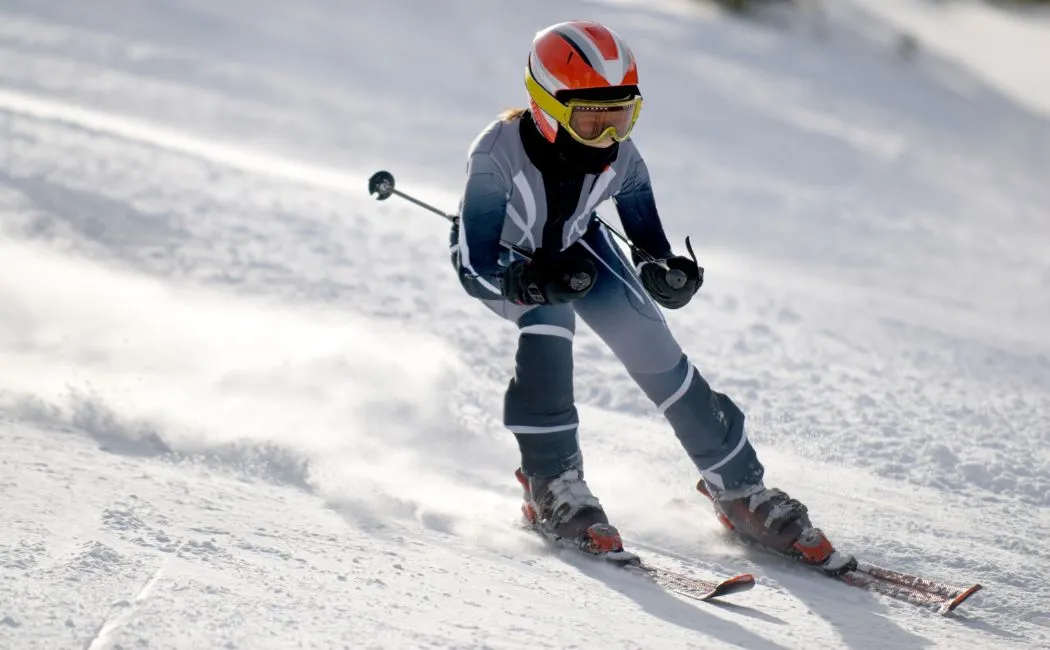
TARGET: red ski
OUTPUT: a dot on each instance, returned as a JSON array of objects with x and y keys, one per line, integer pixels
[
  {"x": 679, "y": 583},
  {"x": 942, "y": 596},
  {"x": 693, "y": 587}
]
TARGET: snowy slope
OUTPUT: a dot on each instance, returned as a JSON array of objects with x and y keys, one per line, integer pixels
[
  {"x": 244, "y": 405},
  {"x": 1007, "y": 49}
]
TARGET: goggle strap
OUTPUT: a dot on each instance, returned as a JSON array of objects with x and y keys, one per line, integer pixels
[{"x": 545, "y": 100}]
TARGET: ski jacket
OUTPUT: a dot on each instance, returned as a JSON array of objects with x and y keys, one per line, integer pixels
[{"x": 510, "y": 204}]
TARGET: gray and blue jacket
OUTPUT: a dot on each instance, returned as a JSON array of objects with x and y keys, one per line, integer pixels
[{"x": 509, "y": 204}]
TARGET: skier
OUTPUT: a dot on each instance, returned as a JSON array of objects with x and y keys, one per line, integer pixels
[{"x": 529, "y": 247}]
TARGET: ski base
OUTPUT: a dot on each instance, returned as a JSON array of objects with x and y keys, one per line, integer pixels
[{"x": 684, "y": 585}]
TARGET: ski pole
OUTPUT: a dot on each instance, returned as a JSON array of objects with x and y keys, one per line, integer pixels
[
  {"x": 675, "y": 278},
  {"x": 381, "y": 185}
]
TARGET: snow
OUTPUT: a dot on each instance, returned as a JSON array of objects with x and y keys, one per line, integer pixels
[
  {"x": 244, "y": 405},
  {"x": 1006, "y": 49}
]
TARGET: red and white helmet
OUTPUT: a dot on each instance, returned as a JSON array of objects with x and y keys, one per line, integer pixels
[{"x": 582, "y": 76}]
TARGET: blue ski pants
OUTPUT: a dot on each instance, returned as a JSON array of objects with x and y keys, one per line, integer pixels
[{"x": 539, "y": 405}]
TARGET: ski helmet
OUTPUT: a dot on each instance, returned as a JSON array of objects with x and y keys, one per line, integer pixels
[{"x": 582, "y": 77}]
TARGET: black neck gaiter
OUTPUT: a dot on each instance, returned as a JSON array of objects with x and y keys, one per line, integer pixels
[{"x": 564, "y": 165}]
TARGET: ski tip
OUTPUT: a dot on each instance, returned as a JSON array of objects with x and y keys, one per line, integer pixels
[
  {"x": 741, "y": 579},
  {"x": 960, "y": 599},
  {"x": 734, "y": 585}
]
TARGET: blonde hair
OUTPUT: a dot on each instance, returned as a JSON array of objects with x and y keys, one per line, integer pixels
[{"x": 512, "y": 114}]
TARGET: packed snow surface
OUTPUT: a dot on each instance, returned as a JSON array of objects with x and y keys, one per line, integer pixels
[{"x": 244, "y": 405}]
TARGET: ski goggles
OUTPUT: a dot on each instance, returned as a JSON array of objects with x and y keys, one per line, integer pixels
[{"x": 588, "y": 121}]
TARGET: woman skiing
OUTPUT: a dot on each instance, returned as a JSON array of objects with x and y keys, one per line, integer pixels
[{"x": 529, "y": 247}]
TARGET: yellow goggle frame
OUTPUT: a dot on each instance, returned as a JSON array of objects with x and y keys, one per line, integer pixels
[{"x": 563, "y": 112}]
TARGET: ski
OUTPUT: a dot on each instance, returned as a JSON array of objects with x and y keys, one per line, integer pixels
[
  {"x": 692, "y": 587},
  {"x": 941, "y": 596},
  {"x": 688, "y": 586}
]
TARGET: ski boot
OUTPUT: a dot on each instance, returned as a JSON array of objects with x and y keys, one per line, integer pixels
[
  {"x": 774, "y": 520},
  {"x": 563, "y": 507}
]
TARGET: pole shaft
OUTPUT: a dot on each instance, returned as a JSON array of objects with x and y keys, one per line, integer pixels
[{"x": 425, "y": 206}]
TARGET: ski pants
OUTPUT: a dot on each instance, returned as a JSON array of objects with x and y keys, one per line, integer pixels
[{"x": 539, "y": 406}]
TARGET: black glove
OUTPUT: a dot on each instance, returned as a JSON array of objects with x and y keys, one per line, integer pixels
[
  {"x": 665, "y": 290},
  {"x": 549, "y": 279}
]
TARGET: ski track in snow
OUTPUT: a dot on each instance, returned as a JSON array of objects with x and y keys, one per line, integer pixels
[
  {"x": 244, "y": 405},
  {"x": 106, "y": 632}
]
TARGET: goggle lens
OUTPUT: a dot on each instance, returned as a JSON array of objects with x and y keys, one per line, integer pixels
[{"x": 591, "y": 122}]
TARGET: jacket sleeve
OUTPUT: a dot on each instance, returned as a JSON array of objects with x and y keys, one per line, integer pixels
[
  {"x": 637, "y": 209},
  {"x": 482, "y": 212}
]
